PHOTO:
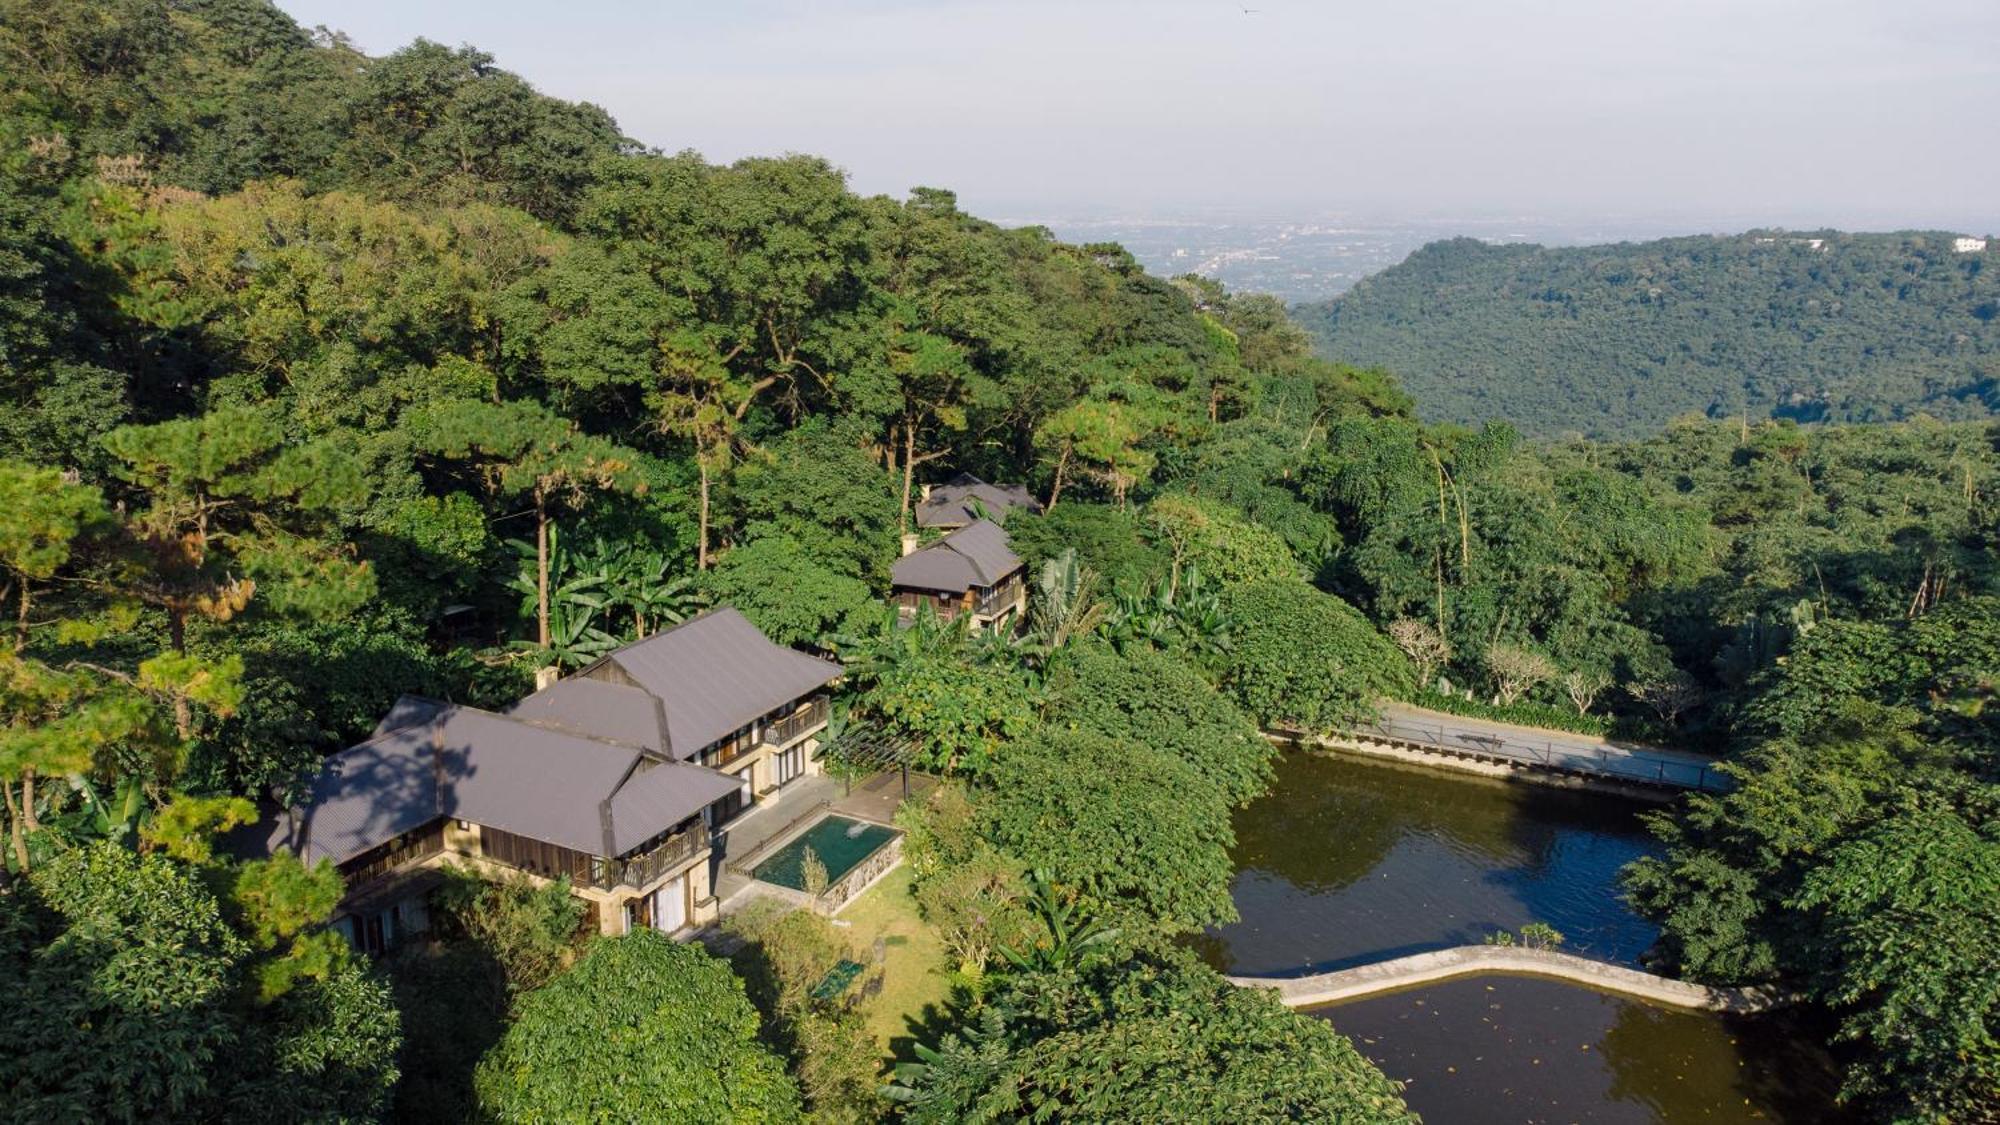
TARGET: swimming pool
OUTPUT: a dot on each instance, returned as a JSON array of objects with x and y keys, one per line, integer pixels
[{"x": 840, "y": 842}]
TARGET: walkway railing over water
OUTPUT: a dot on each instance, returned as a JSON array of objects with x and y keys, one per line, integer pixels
[{"x": 1620, "y": 763}]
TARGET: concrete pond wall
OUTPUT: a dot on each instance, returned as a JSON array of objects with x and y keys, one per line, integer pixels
[{"x": 1470, "y": 960}]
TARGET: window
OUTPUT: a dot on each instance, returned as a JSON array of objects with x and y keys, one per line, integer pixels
[{"x": 786, "y": 767}]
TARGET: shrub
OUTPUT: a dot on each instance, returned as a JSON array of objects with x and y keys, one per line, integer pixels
[
  {"x": 1155, "y": 1040},
  {"x": 1155, "y": 698},
  {"x": 642, "y": 1028},
  {"x": 1132, "y": 827},
  {"x": 1198, "y": 531},
  {"x": 1306, "y": 659},
  {"x": 529, "y": 929}
]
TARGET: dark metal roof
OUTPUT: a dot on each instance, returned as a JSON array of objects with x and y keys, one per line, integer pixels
[
  {"x": 597, "y": 709},
  {"x": 365, "y": 796},
  {"x": 529, "y": 780},
  {"x": 974, "y": 555},
  {"x": 585, "y": 763},
  {"x": 468, "y": 764},
  {"x": 950, "y": 504},
  {"x": 408, "y": 711},
  {"x": 714, "y": 674},
  {"x": 657, "y": 797}
]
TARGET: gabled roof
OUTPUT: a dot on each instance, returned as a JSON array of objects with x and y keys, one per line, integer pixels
[
  {"x": 365, "y": 796},
  {"x": 496, "y": 771},
  {"x": 408, "y": 711},
  {"x": 974, "y": 555},
  {"x": 597, "y": 709},
  {"x": 651, "y": 800},
  {"x": 712, "y": 675},
  {"x": 950, "y": 504}
]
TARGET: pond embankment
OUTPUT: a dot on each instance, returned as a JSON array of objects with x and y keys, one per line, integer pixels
[{"x": 1468, "y": 960}]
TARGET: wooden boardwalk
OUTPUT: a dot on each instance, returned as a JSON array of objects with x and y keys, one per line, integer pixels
[{"x": 1581, "y": 755}]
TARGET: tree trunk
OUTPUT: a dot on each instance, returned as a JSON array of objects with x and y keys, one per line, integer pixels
[
  {"x": 541, "y": 569},
  {"x": 701, "y": 548},
  {"x": 16, "y": 831},
  {"x": 909, "y": 474},
  {"x": 21, "y": 620},
  {"x": 1055, "y": 489},
  {"x": 28, "y": 816},
  {"x": 177, "y": 637}
]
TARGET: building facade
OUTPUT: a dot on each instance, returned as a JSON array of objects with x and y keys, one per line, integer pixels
[
  {"x": 617, "y": 779},
  {"x": 970, "y": 572}
]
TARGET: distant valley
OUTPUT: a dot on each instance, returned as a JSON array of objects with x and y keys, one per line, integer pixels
[{"x": 1315, "y": 257}]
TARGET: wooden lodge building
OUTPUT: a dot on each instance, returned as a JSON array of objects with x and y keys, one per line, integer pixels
[
  {"x": 617, "y": 778},
  {"x": 971, "y": 571}
]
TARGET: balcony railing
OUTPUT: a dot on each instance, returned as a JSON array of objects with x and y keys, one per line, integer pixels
[
  {"x": 999, "y": 597},
  {"x": 791, "y": 727},
  {"x": 639, "y": 870},
  {"x": 409, "y": 847}
]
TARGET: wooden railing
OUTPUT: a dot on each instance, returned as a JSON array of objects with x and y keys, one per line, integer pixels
[
  {"x": 998, "y": 598},
  {"x": 424, "y": 842},
  {"x": 789, "y": 728},
  {"x": 639, "y": 870}
]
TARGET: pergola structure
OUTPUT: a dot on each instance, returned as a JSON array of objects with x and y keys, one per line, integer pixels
[{"x": 866, "y": 747}]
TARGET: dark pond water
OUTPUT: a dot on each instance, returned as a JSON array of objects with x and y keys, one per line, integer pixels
[
  {"x": 1521, "y": 1049},
  {"x": 1346, "y": 862}
]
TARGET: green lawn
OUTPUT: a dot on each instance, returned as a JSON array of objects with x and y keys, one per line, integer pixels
[{"x": 914, "y": 971}]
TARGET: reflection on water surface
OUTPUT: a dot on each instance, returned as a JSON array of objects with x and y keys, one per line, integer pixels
[
  {"x": 1347, "y": 861},
  {"x": 1522, "y": 1049}
]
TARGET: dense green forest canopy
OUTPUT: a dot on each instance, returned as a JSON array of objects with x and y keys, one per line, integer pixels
[
  {"x": 1613, "y": 341},
  {"x": 326, "y": 378}
]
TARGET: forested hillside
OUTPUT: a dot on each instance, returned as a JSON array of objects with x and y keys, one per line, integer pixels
[
  {"x": 1612, "y": 341},
  {"x": 327, "y": 378}
]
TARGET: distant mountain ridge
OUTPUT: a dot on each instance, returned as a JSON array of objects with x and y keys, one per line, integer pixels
[{"x": 1615, "y": 340}]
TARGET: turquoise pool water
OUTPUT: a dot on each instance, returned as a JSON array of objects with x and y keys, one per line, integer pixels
[{"x": 839, "y": 842}]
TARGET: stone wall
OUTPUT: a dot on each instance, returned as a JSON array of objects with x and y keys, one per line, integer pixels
[{"x": 877, "y": 864}]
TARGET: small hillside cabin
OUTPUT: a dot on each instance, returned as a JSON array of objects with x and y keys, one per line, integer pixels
[
  {"x": 970, "y": 571},
  {"x": 617, "y": 778}
]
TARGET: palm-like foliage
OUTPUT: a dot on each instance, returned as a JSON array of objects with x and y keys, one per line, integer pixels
[
  {"x": 1075, "y": 935},
  {"x": 1066, "y": 604},
  {"x": 601, "y": 596},
  {"x": 1190, "y": 614},
  {"x": 639, "y": 585},
  {"x": 873, "y": 656}
]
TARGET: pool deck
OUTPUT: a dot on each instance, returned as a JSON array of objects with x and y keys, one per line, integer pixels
[{"x": 755, "y": 834}]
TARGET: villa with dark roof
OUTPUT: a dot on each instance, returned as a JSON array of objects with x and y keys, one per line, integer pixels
[
  {"x": 965, "y": 498},
  {"x": 970, "y": 571},
  {"x": 616, "y": 778}
]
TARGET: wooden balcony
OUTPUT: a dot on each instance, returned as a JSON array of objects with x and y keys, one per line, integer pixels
[
  {"x": 792, "y": 727},
  {"x": 998, "y": 599},
  {"x": 645, "y": 867}
]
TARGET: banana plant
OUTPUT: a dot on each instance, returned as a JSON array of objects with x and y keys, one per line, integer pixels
[
  {"x": 639, "y": 585},
  {"x": 1075, "y": 935},
  {"x": 577, "y": 596},
  {"x": 118, "y": 820}
]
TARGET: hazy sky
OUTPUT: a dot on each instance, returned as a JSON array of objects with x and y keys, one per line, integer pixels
[{"x": 1858, "y": 113}]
